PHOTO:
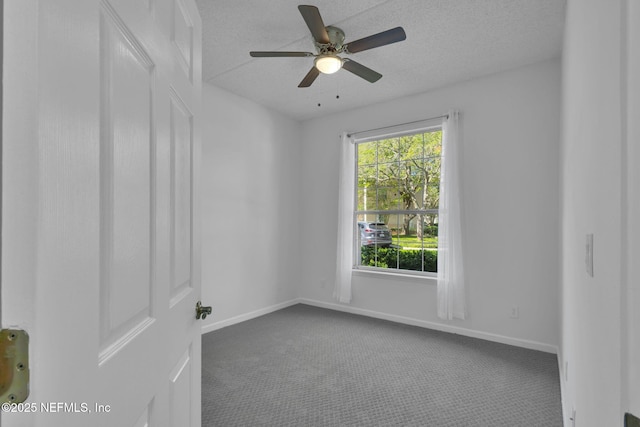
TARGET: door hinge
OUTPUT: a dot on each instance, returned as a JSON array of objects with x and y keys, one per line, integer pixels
[{"x": 14, "y": 366}]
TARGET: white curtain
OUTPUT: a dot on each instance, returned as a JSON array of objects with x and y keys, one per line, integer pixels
[
  {"x": 344, "y": 258},
  {"x": 451, "y": 291}
]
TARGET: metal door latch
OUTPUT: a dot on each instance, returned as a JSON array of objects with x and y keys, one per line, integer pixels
[
  {"x": 202, "y": 312},
  {"x": 14, "y": 366}
]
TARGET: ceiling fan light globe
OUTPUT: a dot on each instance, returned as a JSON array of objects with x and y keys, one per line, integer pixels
[{"x": 328, "y": 64}]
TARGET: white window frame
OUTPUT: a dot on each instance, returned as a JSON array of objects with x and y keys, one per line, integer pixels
[{"x": 356, "y": 232}]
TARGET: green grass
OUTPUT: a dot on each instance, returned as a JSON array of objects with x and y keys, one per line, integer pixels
[{"x": 414, "y": 242}]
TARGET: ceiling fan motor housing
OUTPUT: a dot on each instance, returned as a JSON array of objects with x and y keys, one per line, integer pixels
[{"x": 336, "y": 39}]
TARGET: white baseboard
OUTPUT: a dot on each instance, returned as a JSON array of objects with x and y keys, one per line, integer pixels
[
  {"x": 247, "y": 316},
  {"x": 532, "y": 345}
]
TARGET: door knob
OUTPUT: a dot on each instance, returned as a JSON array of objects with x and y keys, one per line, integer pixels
[{"x": 201, "y": 311}]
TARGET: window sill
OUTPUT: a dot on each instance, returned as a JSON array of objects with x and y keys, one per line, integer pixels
[{"x": 413, "y": 278}]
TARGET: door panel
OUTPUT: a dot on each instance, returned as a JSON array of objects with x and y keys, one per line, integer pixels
[
  {"x": 126, "y": 182},
  {"x": 181, "y": 141},
  {"x": 111, "y": 218},
  {"x": 182, "y": 36},
  {"x": 181, "y": 389}
]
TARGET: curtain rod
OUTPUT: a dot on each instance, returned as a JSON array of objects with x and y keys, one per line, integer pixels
[{"x": 349, "y": 135}]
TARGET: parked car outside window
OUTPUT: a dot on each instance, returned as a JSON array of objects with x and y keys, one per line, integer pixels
[{"x": 374, "y": 233}]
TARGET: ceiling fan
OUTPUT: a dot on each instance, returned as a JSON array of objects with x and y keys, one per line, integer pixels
[{"x": 329, "y": 42}]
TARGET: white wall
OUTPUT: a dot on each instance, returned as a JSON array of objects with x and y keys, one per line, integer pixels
[
  {"x": 600, "y": 186},
  {"x": 511, "y": 132},
  {"x": 250, "y": 184}
]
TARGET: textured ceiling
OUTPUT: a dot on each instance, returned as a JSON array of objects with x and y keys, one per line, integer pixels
[{"x": 448, "y": 41}]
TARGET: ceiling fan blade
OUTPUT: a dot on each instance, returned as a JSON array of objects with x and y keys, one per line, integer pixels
[
  {"x": 268, "y": 54},
  {"x": 311, "y": 16},
  {"x": 381, "y": 39},
  {"x": 310, "y": 77},
  {"x": 360, "y": 70}
]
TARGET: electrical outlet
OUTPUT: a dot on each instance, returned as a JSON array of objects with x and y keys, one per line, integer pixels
[{"x": 515, "y": 312}]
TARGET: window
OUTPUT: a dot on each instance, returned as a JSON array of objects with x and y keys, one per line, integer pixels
[{"x": 396, "y": 198}]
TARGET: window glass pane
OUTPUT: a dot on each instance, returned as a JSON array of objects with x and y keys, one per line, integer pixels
[
  {"x": 411, "y": 147},
  {"x": 367, "y": 170},
  {"x": 387, "y": 151},
  {"x": 432, "y": 169},
  {"x": 386, "y": 187},
  {"x": 433, "y": 144},
  {"x": 432, "y": 200},
  {"x": 367, "y": 153},
  {"x": 388, "y": 198},
  {"x": 381, "y": 257},
  {"x": 407, "y": 227},
  {"x": 430, "y": 238},
  {"x": 366, "y": 188},
  {"x": 419, "y": 181}
]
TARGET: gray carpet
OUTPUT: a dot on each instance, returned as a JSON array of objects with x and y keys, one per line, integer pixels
[{"x": 307, "y": 366}]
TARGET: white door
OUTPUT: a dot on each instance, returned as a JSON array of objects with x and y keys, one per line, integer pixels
[
  {"x": 632, "y": 340},
  {"x": 100, "y": 246}
]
